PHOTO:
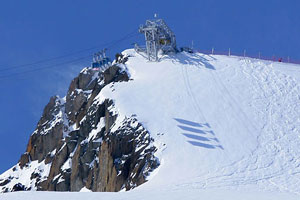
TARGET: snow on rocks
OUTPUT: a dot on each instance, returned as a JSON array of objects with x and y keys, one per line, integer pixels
[
  {"x": 75, "y": 137},
  {"x": 26, "y": 177},
  {"x": 217, "y": 124}
]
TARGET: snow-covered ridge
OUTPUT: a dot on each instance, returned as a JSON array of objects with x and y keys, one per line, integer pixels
[
  {"x": 82, "y": 141},
  {"x": 219, "y": 123}
]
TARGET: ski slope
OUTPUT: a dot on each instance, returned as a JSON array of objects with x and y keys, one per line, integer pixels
[{"x": 225, "y": 127}]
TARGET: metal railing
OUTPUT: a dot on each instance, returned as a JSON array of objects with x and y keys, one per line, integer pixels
[{"x": 244, "y": 54}]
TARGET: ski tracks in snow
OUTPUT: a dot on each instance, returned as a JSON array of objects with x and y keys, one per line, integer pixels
[
  {"x": 274, "y": 164},
  {"x": 277, "y": 102},
  {"x": 214, "y": 143}
]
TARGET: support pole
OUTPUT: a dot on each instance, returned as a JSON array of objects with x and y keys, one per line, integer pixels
[
  {"x": 229, "y": 52},
  {"x": 212, "y": 51},
  {"x": 244, "y": 52}
]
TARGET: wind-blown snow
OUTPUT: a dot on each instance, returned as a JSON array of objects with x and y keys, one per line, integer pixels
[{"x": 225, "y": 127}]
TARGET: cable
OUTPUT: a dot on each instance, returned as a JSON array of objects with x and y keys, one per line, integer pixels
[
  {"x": 123, "y": 39},
  {"x": 111, "y": 43},
  {"x": 41, "y": 68}
]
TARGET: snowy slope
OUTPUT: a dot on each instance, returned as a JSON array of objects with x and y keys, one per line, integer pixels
[
  {"x": 227, "y": 122},
  {"x": 223, "y": 125}
]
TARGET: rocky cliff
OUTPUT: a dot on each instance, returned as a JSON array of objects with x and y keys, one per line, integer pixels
[{"x": 78, "y": 144}]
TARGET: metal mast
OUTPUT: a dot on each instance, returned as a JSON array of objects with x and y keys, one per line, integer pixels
[{"x": 158, "y": 37}]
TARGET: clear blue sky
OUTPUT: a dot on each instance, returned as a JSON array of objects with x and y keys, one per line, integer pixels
[{"x": 35, "y": 30}]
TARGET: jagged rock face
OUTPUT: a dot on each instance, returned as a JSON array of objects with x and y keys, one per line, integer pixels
[
  {"x": 77, "y": 142},
  {"x": 48, "y": 132}
]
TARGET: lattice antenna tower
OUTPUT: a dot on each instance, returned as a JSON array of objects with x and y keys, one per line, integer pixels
[{"x": 158, "y": 37}]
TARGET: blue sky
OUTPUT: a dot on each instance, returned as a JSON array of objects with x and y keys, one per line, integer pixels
[{"x": 35, "y": 30}]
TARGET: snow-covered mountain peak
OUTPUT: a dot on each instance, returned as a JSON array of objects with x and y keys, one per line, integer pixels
[{"x": 210, "y": 122}]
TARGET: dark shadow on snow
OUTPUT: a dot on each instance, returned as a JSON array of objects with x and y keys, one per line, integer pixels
[
  {"x": 208, "y": 146},
  {"x": 196, "y": 137},
  {"x": 191, "y": 123},
  {"x": 207, "y": 124},
  {"x": 186, "y": 122},
  {"x": 191, "y": 59},
  {"x": 200, "y": 144},
  {"x": 192, "y": 131}
]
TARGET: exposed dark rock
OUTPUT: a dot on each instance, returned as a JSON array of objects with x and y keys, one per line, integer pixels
[
  {"x": 74, "y": 138},
  {"x": 4, "y": 182},
  {"x": 60, "y": 158},
  {"x": 35, "y": 175},
  {"x": 48, "y": 133},
  {"x": 25, "y": 158},
  {"x": 120, "y": 58},
  {"x": 49, "y": 158},
  {"x": 18, "y": 187},
  {"x": 64, "y": 185},
  {"x": 115, "y": 74},
  {"x": 77, "y": 97}
]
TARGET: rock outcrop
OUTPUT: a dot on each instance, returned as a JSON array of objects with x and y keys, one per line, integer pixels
[{"x": 78, "y": 142}]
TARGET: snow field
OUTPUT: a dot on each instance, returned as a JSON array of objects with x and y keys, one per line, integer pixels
[
  {"x": 225, "y": 127},
  {"x": 219, "y": 122}
]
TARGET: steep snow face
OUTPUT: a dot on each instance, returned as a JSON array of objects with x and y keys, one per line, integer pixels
[{"x": 219, "y": 122}]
